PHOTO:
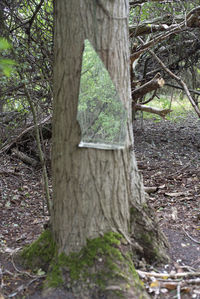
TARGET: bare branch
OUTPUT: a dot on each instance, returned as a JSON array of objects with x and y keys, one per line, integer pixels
[
  {"x": 178, "y": 87},
  {"x": 139, "y": 2},
  {"x": 178, "y": 79},
  {"x": 192, "y": 20}
]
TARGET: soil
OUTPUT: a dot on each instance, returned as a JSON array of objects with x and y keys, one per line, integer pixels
[{"x": 168, "y": 155}]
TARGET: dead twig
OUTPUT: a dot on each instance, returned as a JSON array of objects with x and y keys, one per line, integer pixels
[
  {"x": 22, "y": 287},
  {"x": 5, "y": 172},
  {"x": 168, "y": 275},
  {"x": 25, "y": 272},
  {"x": 178, "y": 291},
  {"x": 22, "y": 156},
  {"x": 195, "y": 241}
]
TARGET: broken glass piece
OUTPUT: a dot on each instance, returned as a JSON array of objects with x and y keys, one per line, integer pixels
[{"x": 101, "y": 115}]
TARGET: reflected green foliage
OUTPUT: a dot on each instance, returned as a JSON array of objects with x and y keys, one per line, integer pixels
[
  {"x": 6, "y": 65},
  {"x": 100, "y": 112}
]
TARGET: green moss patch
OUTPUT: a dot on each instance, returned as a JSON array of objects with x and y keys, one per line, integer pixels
[
  {"x": 103, "y": 266},
  {"x": 100, "y": 264},
  {"x": 79, "y": 265},
  {"x": 40, "y": 253}
]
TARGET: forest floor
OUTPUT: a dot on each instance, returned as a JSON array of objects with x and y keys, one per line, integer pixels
[{"x": 168, "y": 155}]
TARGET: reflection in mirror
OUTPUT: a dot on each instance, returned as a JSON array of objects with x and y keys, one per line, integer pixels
[{"x": 101, "y": 115}]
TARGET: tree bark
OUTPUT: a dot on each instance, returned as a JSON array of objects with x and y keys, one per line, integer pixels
[{"x": 94, "y": 190}]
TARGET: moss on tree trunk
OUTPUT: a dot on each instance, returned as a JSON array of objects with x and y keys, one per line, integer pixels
[{"x": 104, "y": 267}]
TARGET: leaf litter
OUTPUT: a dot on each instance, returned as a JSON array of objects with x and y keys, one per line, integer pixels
[{"x": 168, "y": 156}]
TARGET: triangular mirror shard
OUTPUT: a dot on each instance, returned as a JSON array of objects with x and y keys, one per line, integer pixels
[{"x": 101, "y": 115}]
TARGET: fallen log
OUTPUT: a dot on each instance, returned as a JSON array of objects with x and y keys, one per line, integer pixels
[{"x": 24, "y": 157}]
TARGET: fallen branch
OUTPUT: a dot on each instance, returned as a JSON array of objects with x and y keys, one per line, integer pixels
[
  {"x": 190, "y": 21},
  {"x": 39, "y": 137},
  {"x": 153, "y": 42},
  {"x": 181, "y": 88},
  {"x": 24, "y": 157},
  {"x": 182, "y": 283},
  {"x": 5, "y": 172},
  {"x": 160, "y": 112},
  {"x": 168, "y": 275},
  {"x": 137, "y": 30},
  {"x": 165, "y": 23},
  {"x": 155, "y": 83}
]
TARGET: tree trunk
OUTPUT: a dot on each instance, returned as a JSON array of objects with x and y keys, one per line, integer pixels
[{"x": 95, "y": 191}]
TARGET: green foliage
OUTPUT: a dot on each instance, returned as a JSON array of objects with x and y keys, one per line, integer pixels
[
  {"x": 100, "y": 111},
  {"x": 6, "y": 65},
  {"x": 4, "y": 44}
]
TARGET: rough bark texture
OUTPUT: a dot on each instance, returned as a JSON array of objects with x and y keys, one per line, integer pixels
[{"x": 93, "y": 189}]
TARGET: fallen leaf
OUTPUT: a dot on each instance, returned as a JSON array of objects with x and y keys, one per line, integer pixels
[
  {"x": 162, "y": 186},
  {"x": 185, "y": 245},
  {"x": 174, "y": 214},
  {"x": 155, "y": 284},
  {"x": 40, "y": 272},
  {"x": 169, "y": 285}
]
